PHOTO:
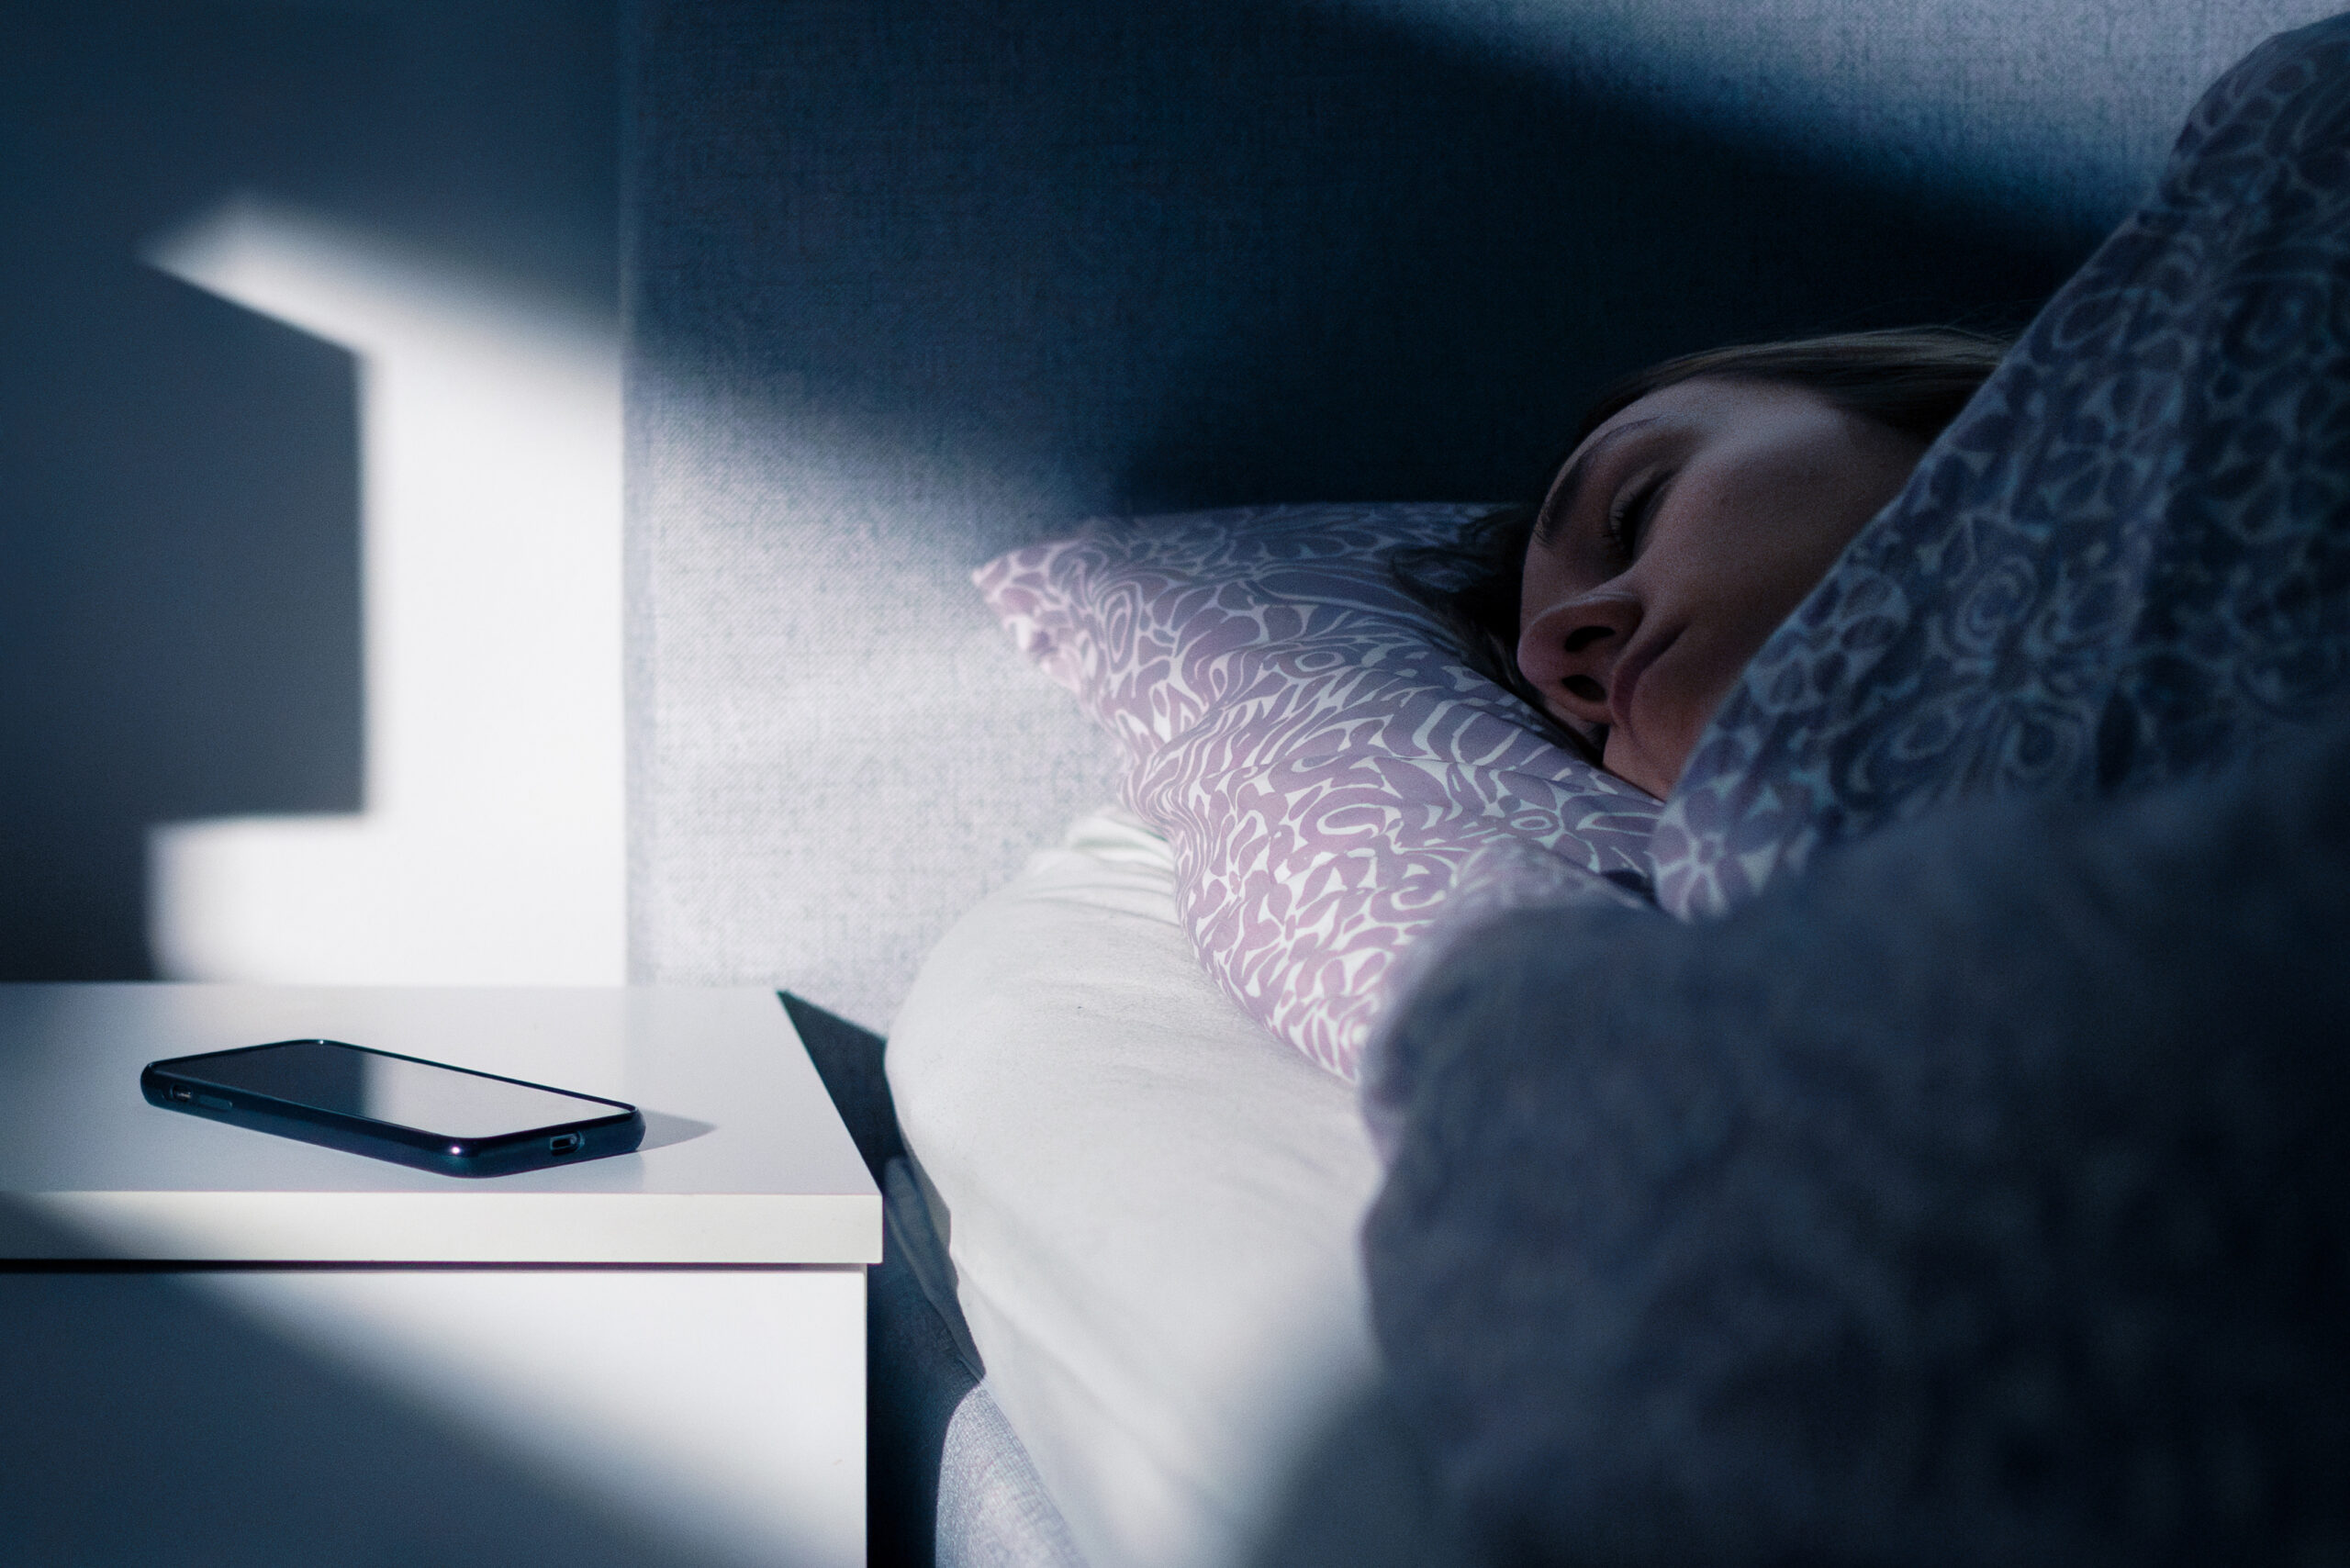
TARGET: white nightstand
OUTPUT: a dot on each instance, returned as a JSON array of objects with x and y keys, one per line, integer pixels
[{"x": 219, "y": 1346}]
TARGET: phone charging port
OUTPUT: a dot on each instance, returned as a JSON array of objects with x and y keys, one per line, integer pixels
[
  {"x": 181, "y": 1091},
  {"x": 564, "y": 1143}
]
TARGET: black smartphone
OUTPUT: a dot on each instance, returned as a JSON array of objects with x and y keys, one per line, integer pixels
[{"x": 404, "y": 1109}]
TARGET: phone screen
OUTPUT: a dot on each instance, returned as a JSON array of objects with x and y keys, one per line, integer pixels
[{"x": 429, "y": 1098}]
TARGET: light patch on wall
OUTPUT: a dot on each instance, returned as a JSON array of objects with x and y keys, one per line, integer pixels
[
  {"x": 490, "y": 847},
  {"x": 838, "y": 751}
]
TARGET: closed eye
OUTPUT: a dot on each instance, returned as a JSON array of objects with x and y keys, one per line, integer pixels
[{"x": 1629, "y": 517}]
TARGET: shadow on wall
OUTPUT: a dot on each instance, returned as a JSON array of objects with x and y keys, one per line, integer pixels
[
  {"x": 180, "y": 628},
  {"x": 1085, "y": 258},
  {"x": 1046, "y": 258},
  {"x": 911, "y": 282}
]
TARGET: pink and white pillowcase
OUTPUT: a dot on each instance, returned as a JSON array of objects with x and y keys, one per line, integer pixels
[{"x": 1330, "y": 774}]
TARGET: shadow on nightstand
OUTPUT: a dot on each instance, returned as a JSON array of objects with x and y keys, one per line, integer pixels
[
  {"x": 143, "y": 1419},
  {"x": 927, "y": 1411},
  {"x": 661, "y": 1130}
]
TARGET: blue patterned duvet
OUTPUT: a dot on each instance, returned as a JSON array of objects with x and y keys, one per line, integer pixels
[{"x": 2128, "y": 561}]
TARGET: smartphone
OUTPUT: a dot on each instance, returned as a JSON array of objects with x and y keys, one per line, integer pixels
[{"x": 404, "y": 1109}]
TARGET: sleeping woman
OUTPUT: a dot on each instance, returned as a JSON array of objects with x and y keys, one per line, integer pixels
[
  {"x": 1808, "y": 589},
  {"x": 1972, "y": 1190},
  {"x": 1703, "y": 499}
]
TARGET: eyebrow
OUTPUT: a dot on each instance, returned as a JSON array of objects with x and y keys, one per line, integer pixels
[{"x": 1568, "y": 492}]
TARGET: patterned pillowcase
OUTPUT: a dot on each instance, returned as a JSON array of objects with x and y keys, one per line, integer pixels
[{"x": 1303, "y": 731}]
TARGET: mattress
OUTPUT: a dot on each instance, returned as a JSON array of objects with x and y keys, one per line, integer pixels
[{"x": 1149, "y": 1204}]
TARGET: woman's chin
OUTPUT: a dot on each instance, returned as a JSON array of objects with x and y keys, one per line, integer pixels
[{"x": 1628, "y": 761}]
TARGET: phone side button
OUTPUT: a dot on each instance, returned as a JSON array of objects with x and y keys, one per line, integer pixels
[
  {"x": 216, "y": 1102},
  {"x": 564, "y": 1143}
]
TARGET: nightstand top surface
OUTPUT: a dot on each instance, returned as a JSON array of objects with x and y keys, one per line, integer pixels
[{"x": 743, "y": 1161}]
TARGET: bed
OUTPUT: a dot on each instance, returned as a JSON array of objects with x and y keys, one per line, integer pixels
[{"x": 914, "y": 290}]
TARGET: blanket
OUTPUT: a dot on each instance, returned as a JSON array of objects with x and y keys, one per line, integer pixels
[
  {"x": 2125, "y": 561},
  {"x": 1974, "y": 1195},
  {"x": 1980, "y": 1198}
]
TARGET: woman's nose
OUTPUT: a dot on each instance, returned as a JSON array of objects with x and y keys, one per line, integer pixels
[{"x": 1567, "y": 653}]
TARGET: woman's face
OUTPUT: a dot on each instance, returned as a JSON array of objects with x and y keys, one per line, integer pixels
[{"x": 1674, "y": 541}]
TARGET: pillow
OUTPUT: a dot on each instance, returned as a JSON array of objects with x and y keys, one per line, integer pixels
[
  {"x": 1306, "y": 735},
  {"x": 1150, "y": 1204}
]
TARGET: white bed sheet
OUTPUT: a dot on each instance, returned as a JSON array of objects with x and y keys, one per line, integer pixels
[{"x": 1151, "y": 1205}]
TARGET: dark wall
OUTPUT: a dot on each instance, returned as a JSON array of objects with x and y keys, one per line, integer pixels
[
  {"x": 914, "y": 281},
  {"x": 179, "y": 477},
  {"x": 1205, "y": 251}
]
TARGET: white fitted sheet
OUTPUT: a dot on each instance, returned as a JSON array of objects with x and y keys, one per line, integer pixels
[{"x": 1151, "y": 1205}]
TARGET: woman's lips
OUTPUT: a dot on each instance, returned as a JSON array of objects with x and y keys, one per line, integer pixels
[{"x": 1625, "y": 676}]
